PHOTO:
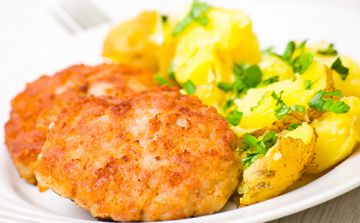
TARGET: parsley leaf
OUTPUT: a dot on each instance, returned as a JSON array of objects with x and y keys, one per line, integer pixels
[
  {"x": 245, "y": 77},
  {"x": 234, "y": 117},
  {"x": 228, "y": 104},
  {"x": 302, "y": 62},
  {"x": 289, "y": 51},
  {"x": 197, "y": 13},
  {"x": 252, "y": 76},
  {"x": 189, "y": 87},
  {"x": 256, "y": 147},
  {"x": 340, "y": 68},
  {"x": 249, "y": 159},
  {"x": 162, "y": 80},
  {"x": 270, "y": 80},
  {"x": 293, "y": 126},
  {"x": 282, "y": 110},
  {"x": 330, "y": 51},
  {"x": 164, "y": 18},
  {"x": 226, "y": 87},
  {"x": 308, "y": 84},
  {"x": 320, "y": 103}
]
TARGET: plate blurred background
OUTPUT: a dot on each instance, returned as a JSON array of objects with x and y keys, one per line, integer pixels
[{"x": 30, "y": 26}]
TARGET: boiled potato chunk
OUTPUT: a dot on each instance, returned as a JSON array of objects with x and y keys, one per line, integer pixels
[
  {"x": 258, "y": 106},
  {"x": 274, "y": 66},
  {"x": 233, "y": 35},
  {"x": 338, "y": 134},
  {"x": 136, "y": 41},
  {"x": 282, "y": 165}
]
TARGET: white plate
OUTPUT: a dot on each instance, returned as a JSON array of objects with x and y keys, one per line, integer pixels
[{"x": 275, "y": 24}]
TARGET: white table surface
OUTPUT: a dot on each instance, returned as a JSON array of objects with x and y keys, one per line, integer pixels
[{"x": 27, "y": 26}]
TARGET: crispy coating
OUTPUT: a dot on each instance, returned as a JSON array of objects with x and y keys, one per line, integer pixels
[
  {"x": 159, "y": 155},
  {"x": 34, "y": 109}
]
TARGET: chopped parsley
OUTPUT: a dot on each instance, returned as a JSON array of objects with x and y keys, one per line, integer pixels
[
  {"x": 257, "y": 147},
  {"x": 330, "y": 51},
  {"x": 289, "y": 51},
  {"x": 228, "y": 104},
  {"x": 162, "y": 80},
  {"x": 270, "y": 80},
  {"x": 189, "y": 87},
  {"x": 293, "y": 126},
  {"x": 282, "y": 109},
  {"x": 340, "y": 68},
  {"x": 302, "y": 62},
  {"x": 234, "y": 117},
  {"x": 245, "y": 77},
  {"x": 164, "y": 18},
  {"x": 322, "y": 103},
  {"x": 303, "y": 44},
  {"x": 197, "y": 14},
  {"x": 225, "y": 86},
  {"x": 171, "y": 71},
  {"x": 308, "y": 84}
]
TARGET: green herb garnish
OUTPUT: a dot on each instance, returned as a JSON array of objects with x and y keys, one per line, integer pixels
[
  {"x": 282, "y": 109},
  {"x": 189, "y": 87},
  {"x": 162, "y": 80},
  {"x": 228, "y": 104},
  {"x": 340, "y": 68},
  {"x": 330, "y": 51},
  {"x": 164, "y": 18},
  {"x": 197, "y": 14},
  {"x": 293, "y": 126},
  {"x": 302, "y": 62},
  {"x": 234, "y": 117},
  {"x": 289, "y": 51},
  {"x": 257, "y": 147},
  {"x": 308, "y": 84},
  {"x": 252, "y": 76},
  {"x": 319, "y": 102},
  {"x": 226, "y": 87},
  {"x": 270, "y": 80}
]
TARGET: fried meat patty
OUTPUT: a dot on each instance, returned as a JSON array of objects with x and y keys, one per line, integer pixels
[
  {"x": 34, "y": 109},
  {"x": 156, "y": 156}
]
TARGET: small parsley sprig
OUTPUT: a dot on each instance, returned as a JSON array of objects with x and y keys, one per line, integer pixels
[
  {"x": 293, "y": 126},
  {"x": 197, "y": 14},
  {"x": 282, "y": 109},
  {"x": 234, "y": 117},
  {"x": 189, "y": 87},
  {"x": 340, "y": 68},
  {"x": 160, "y": 80},
  {"x": 323, "y": 102},
  {"x": 329, "y": 51},
  {"x": 257, "y": 147},
  {"x": 246, "y": 77}
]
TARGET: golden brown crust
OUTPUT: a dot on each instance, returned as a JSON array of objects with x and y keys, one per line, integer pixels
[
  {"x": 156, "y": 156},
  {"x": 34, "y": 109}
]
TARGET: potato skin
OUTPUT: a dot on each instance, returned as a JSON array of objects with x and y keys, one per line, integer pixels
[
  {"x": 282, "y": 165},
  {"x": 34, "y": 109},
  {"x": 159, "y": 155}
]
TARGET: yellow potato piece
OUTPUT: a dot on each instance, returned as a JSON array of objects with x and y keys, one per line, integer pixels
[
  {"x": 136, "y": 41},
  {"x": 274, "y": 66},
  {"x": 234, "y": 37},
  {"x": 283, "y": 164},
  {"x": 337, "y": 136},
  {"x": 258, "y": 106}
]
